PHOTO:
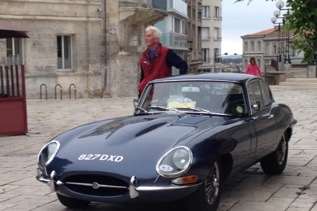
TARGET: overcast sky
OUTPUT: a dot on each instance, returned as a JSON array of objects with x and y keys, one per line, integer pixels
[{"x": 240, "y": 19}]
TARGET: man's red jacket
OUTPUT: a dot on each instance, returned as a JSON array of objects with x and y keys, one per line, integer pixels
[{"x": 160, "y": 67}]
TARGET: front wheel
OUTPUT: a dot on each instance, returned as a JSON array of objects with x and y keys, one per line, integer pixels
[
  {"x": 275, "y": 163},
  {"x": 71, "y": 202},
  {"x": 207, "y": 198}
]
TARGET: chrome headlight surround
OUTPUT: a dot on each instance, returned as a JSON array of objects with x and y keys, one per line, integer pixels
[
  {"x": 50, "y": 149},
  {"x": 168, "y": 165}
]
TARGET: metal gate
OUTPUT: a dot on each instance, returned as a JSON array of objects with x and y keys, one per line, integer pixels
[{"x": 13, "y": 114}]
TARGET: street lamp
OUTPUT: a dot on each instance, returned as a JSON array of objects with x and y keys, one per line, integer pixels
[
  {"x": 277, "y": 13},
  {"x": 274, "y": 19},
  {"x": 280, "y": 4}
]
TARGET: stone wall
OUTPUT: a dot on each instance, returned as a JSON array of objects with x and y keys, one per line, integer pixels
[{"x": 44, "y": 20}]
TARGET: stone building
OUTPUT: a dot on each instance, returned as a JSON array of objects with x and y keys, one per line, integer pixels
[
  {"x": 211, "y": 34},
  {"x": 126, "y": 21},
  {"x": 94, "y": 44},
  {"x": 194, "y": 34},
  {"x": 174, "y": 27},
  {"x": 271, "y": 48},
  {"x": 65, "y": 45}
]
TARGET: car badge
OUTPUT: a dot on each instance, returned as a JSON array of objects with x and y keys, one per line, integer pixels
[{"x": 95, "y": 186}]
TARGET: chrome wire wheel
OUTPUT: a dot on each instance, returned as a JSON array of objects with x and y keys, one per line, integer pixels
[
  {"x": 282, "y": 151},
  {"x": 212, "y": 184}
]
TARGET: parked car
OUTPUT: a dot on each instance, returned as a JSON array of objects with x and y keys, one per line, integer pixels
[{"x": 187, "y": 135}]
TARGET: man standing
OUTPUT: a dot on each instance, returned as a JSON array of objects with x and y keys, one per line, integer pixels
[{"x": 157, "y": 61}]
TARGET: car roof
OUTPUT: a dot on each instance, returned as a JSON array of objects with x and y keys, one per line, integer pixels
[{"x": 228, "y": 77}]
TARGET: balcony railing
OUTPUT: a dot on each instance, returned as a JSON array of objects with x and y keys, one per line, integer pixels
[
  {"x": 178, "y": 6},
  {"x": 156, "y": 4},
  {"x": 175, "y": 41}
]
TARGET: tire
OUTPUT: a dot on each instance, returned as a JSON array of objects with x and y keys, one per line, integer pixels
[
  {"x": 275, "y": 163},
  {"x": 71, "y": 202},
  {"x": 207, "y": 198}
]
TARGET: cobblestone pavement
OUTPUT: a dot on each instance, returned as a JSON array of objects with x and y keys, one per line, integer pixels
[{"x": 295, "y": 190}]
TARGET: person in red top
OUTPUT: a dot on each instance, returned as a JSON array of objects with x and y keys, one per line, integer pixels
[
  {"x": 157, "y": 61},
  {"x": 253, "y": 68}
]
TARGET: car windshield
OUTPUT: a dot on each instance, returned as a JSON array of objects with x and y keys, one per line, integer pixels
[{"x": 222, "y": 98}]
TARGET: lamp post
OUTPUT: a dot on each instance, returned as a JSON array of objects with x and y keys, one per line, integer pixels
[{"x": 283, "y": 57}]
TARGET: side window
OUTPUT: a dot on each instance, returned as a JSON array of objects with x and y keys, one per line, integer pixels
[
  {"x": 255, "y": 95},
  {"x": 267, "y": 97}
]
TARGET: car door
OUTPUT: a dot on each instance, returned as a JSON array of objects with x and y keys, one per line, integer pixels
[{"x": 262, "y": 118}]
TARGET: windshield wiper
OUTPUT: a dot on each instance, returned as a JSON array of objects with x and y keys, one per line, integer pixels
[
  {"x": 159, "y": 108},
  {"x": 141, "y": 109},
  {"x": 204, "y": 111},
  {"x": 162, "y": 108}
]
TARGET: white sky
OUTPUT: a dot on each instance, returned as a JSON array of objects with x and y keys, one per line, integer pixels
[{"x": 240, "y": 19}]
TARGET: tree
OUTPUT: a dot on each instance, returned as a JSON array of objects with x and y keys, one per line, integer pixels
[{"x": 302, "y": 21}]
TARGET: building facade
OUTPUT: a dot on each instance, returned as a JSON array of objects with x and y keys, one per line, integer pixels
[
  {"x": 272, "y": 49},
  {"x": 174, "y": 27},
  {"x": 126, "y": 21},
  {"x": 211, "y": 34},
  {"x": 194, "y": 34},
  {"x": 93, "y": 45},
  {"x": 65, "y": 45}
]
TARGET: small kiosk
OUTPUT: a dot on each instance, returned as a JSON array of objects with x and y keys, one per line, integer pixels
[{"x": 13, "y": 113}]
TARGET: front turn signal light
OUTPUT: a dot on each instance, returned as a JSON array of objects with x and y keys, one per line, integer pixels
[{"x": 187, "y": 180}]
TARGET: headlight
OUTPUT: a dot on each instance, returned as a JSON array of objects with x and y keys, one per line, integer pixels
[
  {"x": 175, "y": 162},
  {"x": 48, "y": 152}
]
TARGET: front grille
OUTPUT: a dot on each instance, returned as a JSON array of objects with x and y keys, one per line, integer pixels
[{"x": 97, "y": 185}]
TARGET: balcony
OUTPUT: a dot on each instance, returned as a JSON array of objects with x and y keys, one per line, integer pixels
[
  {"x": 178, "y": 6},
  {"x": 142, "y": 11},
  {"x": 159, "y": 4},
  {"x": 175, "y": 41}
]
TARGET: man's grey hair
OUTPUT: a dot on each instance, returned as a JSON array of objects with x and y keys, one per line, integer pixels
[{"x": 156, "y": 32}]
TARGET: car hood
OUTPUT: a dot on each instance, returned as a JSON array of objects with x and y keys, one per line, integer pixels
[{"x": 136, "y": 141}]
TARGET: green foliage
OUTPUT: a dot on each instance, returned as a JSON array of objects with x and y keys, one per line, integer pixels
[{"x": 302, "y": 21}]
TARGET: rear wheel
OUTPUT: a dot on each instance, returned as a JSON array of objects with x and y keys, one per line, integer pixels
[
  {"x": 207, "y": 198},
  {"x": 275, "y": 163},
  {"x": 71, "y": 202}
]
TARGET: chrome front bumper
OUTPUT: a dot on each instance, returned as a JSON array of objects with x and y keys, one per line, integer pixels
[{"x": 134, "y": 191}]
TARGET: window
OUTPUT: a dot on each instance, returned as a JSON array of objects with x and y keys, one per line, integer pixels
[
  {"x": 252, "y": 46},
  {"x": 206, "y": 55},
  {"x": 205, "y": 11},
  {"x": 219, "y": 97},
  {"x": 177, "y": 25},
  {"x": 184, "y": 29},
  {"x": 246, "y": 46},
  {"x": 274, "y": 50},
  {"x": 64, "y": 52},
  {"x": 14, "y": 51},
  {"x": 217, "y": 12},
  {"x": 255, "y": 95},
  {"x": 216, "y": 55},
  {"x": 267, "y": 95},
  {"x": 259, "y": 46},
  {"x": 205, "y": 33},
  {"x": 217, "y": 34},
  {"x": 267, "y": 48}
]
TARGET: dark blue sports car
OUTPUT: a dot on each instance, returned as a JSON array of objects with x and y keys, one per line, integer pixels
[{"x": 187, "y": 135}]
